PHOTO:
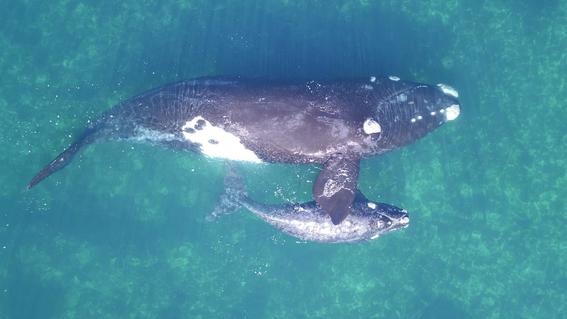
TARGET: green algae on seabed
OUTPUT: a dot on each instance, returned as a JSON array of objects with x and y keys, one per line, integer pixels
[{"x": 121, "y": 232}]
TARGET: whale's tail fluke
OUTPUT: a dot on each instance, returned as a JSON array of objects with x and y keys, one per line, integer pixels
[
  {"x": 64, "y": 158},
  {"x": 233, "y": 197}
]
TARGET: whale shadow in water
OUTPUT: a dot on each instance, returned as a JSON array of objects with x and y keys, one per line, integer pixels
[{"x": 313, "y": 40}]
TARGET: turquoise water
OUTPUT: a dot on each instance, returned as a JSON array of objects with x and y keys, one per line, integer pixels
[{"x": 121, "y": 232}]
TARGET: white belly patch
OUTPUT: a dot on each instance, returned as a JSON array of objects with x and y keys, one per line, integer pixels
[{"x": 216, "y": 142}]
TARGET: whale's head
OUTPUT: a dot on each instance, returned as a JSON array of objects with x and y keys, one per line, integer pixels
[
  {"x": 406, "y": 111},
  {"x": 384, "y": 218}
]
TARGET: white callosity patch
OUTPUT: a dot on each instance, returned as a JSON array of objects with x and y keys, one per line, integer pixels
[
  {"x": 452, "y": 112},
  {"x": 370, "y": 126},
  {"x": 371, "y": 205},
  {"x": 372, "y": 79},
  {"x": 216, "y": 142},
  {"x": 448, "y": 90},
  {"x": 394, "y": 78}
]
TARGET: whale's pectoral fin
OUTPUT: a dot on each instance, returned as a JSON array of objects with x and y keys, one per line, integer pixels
[{"x": 335, "y": 187}]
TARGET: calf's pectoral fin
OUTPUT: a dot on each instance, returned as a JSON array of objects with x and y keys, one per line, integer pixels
[{"x": 335, "y": 187}]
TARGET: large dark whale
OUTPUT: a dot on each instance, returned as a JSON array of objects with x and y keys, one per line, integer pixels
[{"x": 333, "y": 123}]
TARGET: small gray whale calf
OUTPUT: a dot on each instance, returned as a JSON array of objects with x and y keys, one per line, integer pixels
[
  {"x": 307, "y": 221},
  {"x": 331, "y": 123}
]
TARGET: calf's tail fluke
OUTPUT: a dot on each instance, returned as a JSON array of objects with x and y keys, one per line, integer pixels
[
  {"x": 63, "y": 159},
  {"x": 232, "y": 197}
]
